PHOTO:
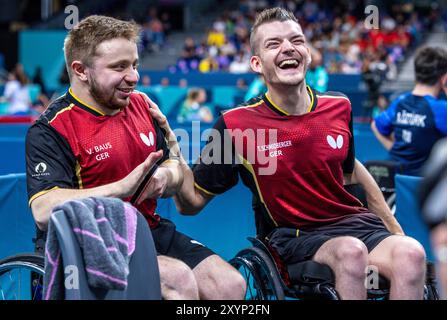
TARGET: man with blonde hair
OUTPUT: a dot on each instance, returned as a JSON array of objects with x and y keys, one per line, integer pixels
[{"x": 99, "y": 139}]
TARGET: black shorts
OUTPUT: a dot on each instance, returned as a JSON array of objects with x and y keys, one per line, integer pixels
[
  {"x": 297, "y": 245},
  {"x": 169, "y": 242}
]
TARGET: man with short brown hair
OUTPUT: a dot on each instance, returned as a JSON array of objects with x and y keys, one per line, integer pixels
[{"x": 301, "y": 206}]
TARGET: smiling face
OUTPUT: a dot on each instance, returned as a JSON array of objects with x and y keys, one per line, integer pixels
[
  {"x": 113, "y": 73},
  {"x": 280, "y": 54}
]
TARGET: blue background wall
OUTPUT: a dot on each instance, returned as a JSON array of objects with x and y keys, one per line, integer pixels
[{"x": 43, "y": 49}]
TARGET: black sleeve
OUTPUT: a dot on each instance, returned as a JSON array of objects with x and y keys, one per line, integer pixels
[
  {"x": 49, "y": 160},
  {"x": 161, "y": 142},
  {"x": 216, "y": 170},
  {"x": 348, "y": 164}
]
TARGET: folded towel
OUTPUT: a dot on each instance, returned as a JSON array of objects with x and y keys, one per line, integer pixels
[{"x": 105, "y": 229}]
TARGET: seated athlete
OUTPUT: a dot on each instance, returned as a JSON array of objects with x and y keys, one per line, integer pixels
[
  {"x": 416, "y": 120},
  {"x": 99, "y": 139},
  {"x": 294, "y": 149}
]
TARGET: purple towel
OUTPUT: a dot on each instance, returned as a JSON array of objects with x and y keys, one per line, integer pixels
[{"x": 105, "y": 229}]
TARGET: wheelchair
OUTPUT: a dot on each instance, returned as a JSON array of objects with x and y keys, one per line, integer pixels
[
  {"x": 22, "y": 276},
  {"x": 383, "y": 172},
  {"x": 268, "y": 278}
]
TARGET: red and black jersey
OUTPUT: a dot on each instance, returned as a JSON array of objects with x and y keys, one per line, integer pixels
[
  {"x": 72, "y": 145},
  {"x": 294, "y": 165}
]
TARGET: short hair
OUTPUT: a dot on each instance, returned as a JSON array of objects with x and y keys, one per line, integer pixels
[
  {"x": 430, "y": 65},
  {"x": 267, "y": 16},
  {"x": 82, "y": 41}
]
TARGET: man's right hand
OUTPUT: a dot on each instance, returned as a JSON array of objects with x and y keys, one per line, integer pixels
[{"x": 127, "y": 186}]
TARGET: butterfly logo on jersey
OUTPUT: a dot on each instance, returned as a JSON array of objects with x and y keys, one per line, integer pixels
[
  {"x": 148, "y": 140},
  {"x": 335, "y": 144}
]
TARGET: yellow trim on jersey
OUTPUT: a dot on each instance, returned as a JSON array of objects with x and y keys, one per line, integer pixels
[
  {"x": 245, "y": 107},
  {"x": 78, "y": 174},
  {"x": 274, "y": 105},
  {"x": 297, "y": 233},
  {"x": 83, "y": 103},
  {"x": 41, "y": 193},
  {"x": 62, "y": 111},
  {"x": 312, "y": 99},
  {"x": 249, "y": 167},
  {"x": 204, "y": 190}
]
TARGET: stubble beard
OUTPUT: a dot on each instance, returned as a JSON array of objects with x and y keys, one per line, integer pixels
[{"x": 101, "y": 97}]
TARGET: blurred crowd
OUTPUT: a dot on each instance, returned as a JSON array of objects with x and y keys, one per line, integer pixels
[
  {"x": 20, "y": 95},
  {"x": 336, "y": 29},
  {"x": 155, "y": 29}
]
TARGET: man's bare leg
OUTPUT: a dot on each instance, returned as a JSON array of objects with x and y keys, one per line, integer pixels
[
  {"x": 348, "y": 258},
  {"x": 177, "y": 280},
  {"x": 401, "y": 259},
  {"x": 218, "y": 280}
]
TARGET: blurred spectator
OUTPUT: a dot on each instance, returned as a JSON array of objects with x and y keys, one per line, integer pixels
[
  {"x": 316, "y": 75},
  {"x": 166, "y": 23},
  {"x": 381, "y": 105},
  {"x": 42, "y": 100},
  {"x": 152, "y": 31},
  {"x": 183, "y": 83},
  {"x": 242, "y": 89},
  {"x": 241, "y": 84},
  {"x": 16, "y": 92},
  {"x": 193, "y": 108},
  {"x": 164, "y": 82},
  {"x": 240, "y": 64},
  {"x": 38, "y": 79},
  {"x": 208, "y": 64},
  {"x": 216, "y": 36},
  {"x": 372, "y": 77},
  {"x": 158, "y": 37},
  {"x": 146, "y": 81},
  {"x": 223, "y": 61}
]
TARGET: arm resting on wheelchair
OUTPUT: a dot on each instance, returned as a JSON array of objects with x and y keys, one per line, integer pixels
[{"x": 376, "y": 201}]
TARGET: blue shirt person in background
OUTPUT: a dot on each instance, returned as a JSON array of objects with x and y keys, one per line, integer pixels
[{"x": 416, "y": 120}]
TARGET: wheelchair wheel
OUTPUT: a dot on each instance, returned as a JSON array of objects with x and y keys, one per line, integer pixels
[
  {"x": 21, "y": 277},
  {"x": 262, "y": 278},
  {"x": 391, "y": 202}
]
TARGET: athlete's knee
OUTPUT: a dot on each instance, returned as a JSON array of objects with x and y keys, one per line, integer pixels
[
  {"x": 218, "y": 280},
  {"x": 408, "y": 259},
  {"x": 351, "y": 256},
  {"x": 178, "y": 281}
]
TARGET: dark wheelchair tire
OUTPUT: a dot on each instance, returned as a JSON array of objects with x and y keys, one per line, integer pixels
[
  {"x": 266, "y": 279},
  {"x": 31, "y": 262}
]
